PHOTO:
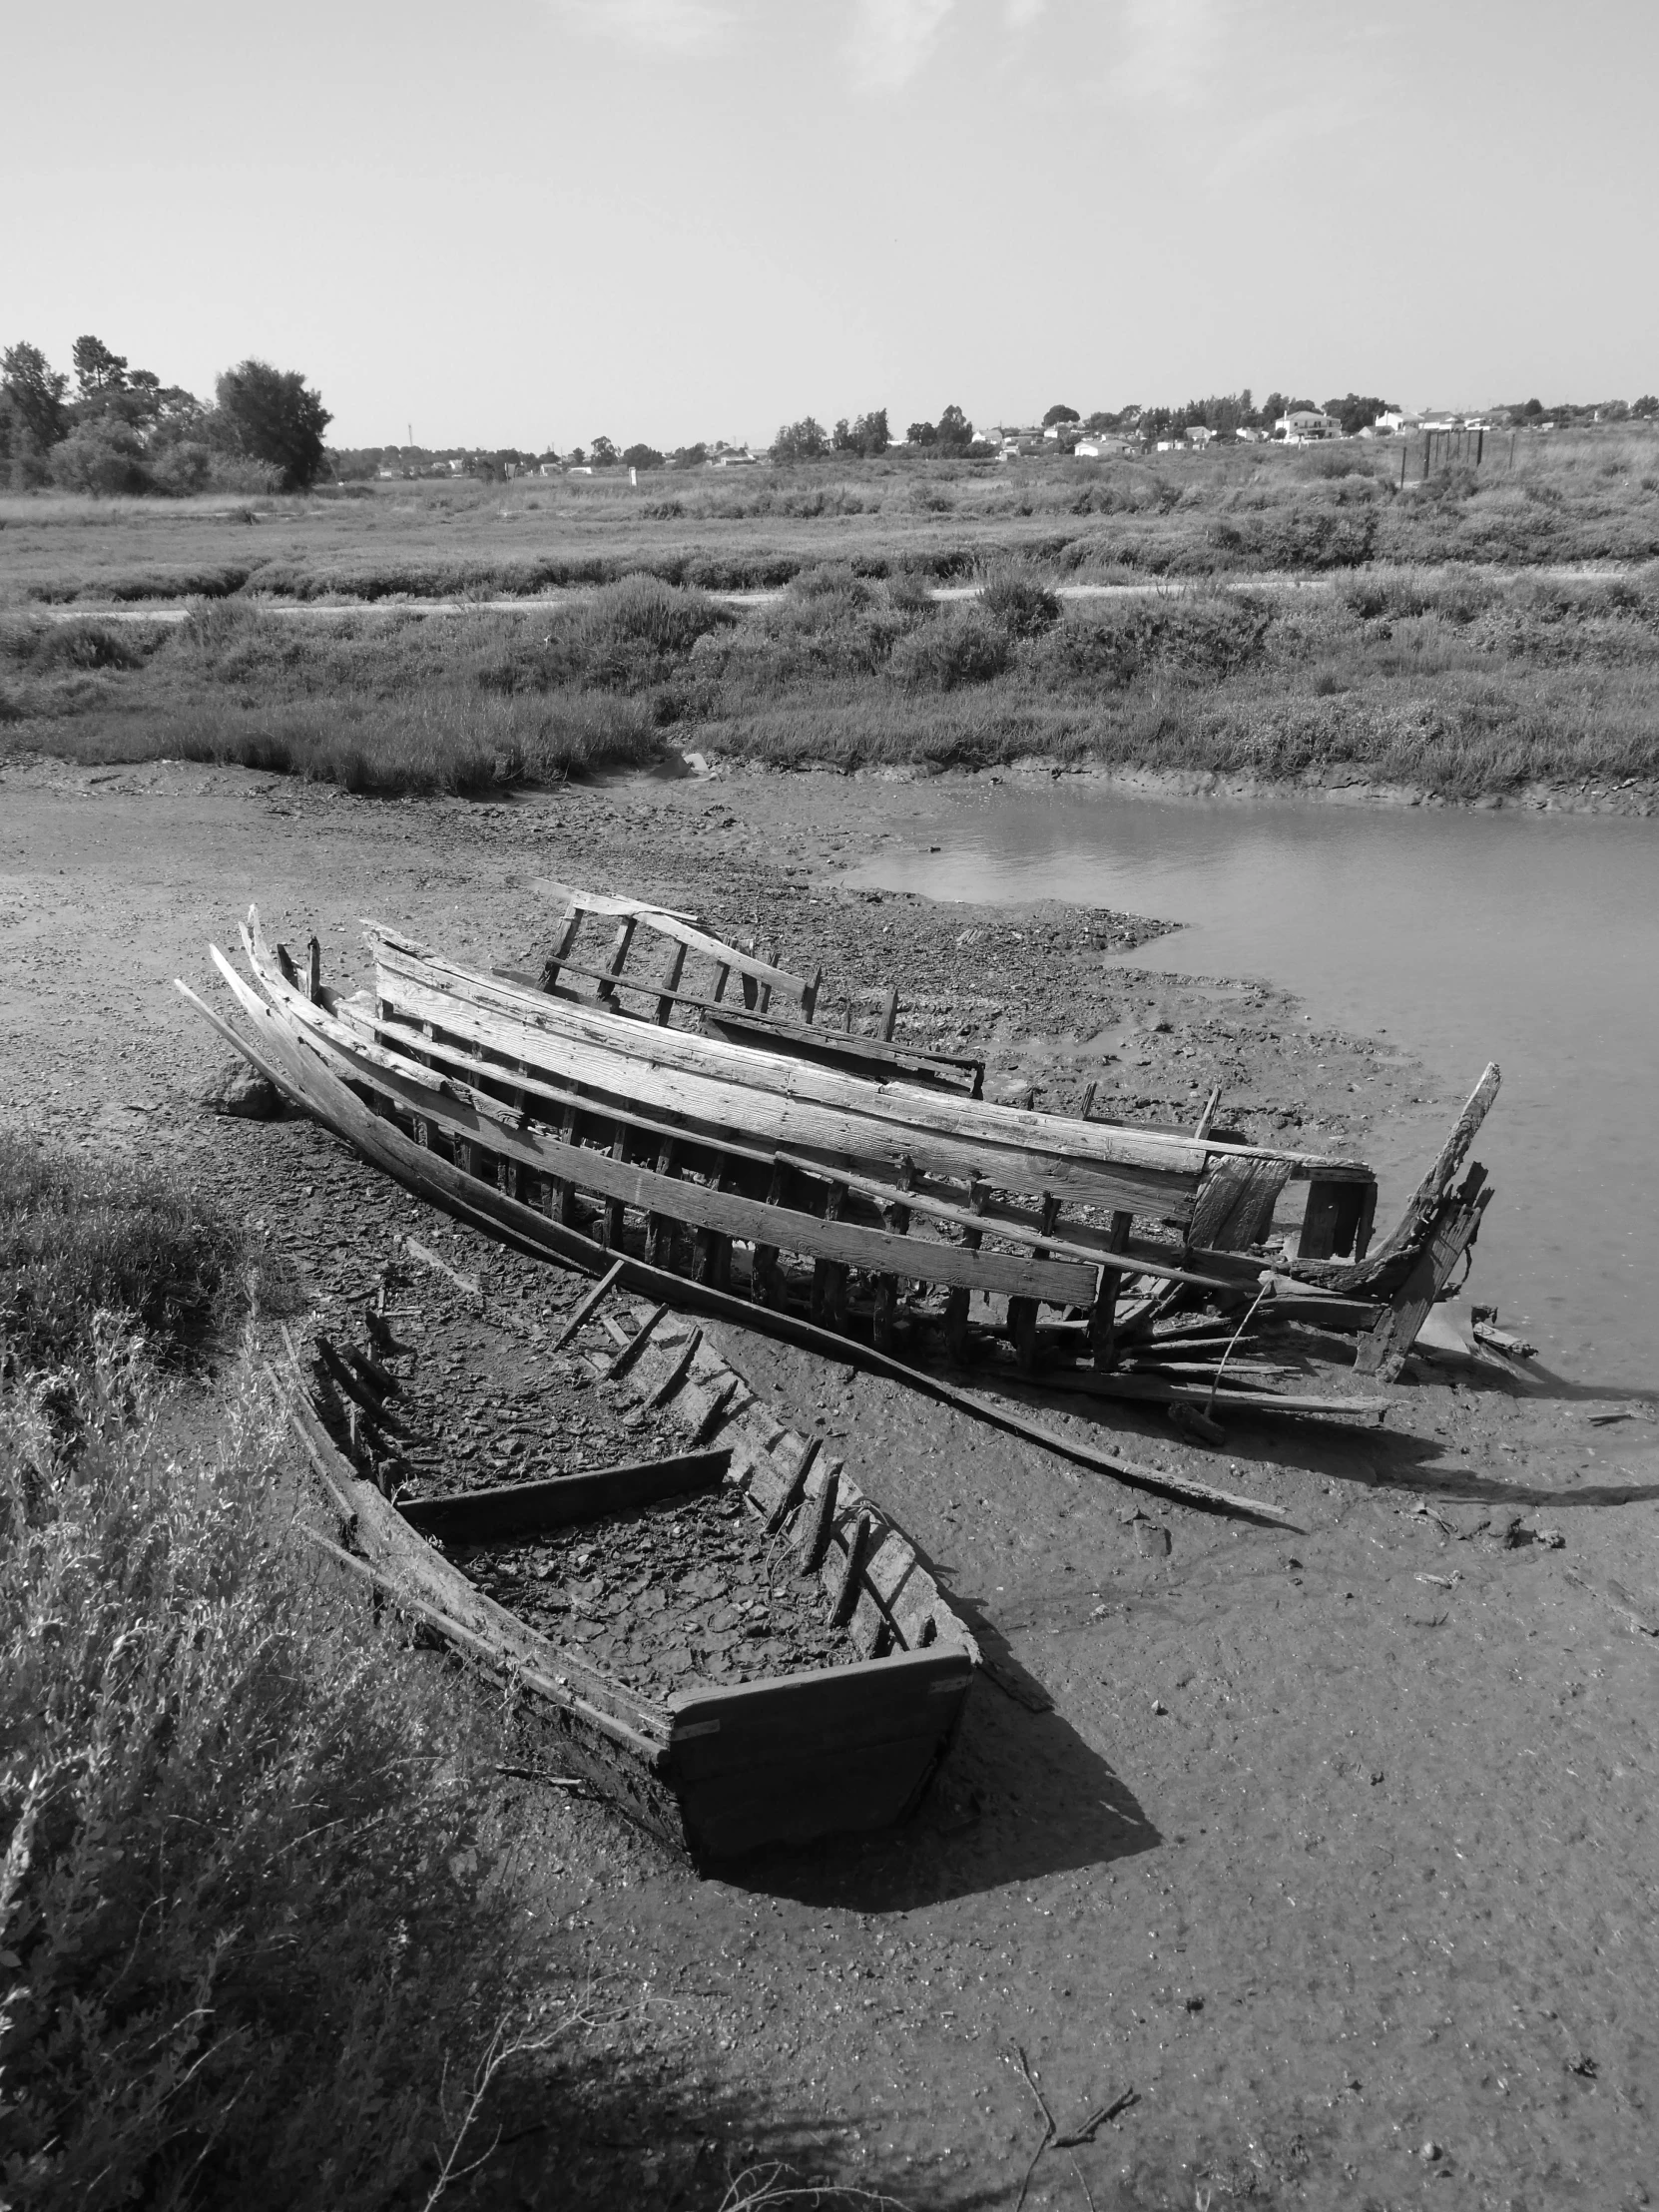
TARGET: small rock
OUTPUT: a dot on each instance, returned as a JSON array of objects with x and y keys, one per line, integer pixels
[
  {"x": 1430, "y": 2150},
  {"x": 1158, "y": 1705},
  {"x": 242, "y": 1091}
]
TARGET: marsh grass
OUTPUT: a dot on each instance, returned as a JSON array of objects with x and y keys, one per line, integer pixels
[
  {"x": 1456, "y": 680},
  {"x": 80, "y": 1237},
  {"x": 1590, "y": 495},
  {"x": 242, "y": 1944},
  {"x": 235, "y": 1958}
]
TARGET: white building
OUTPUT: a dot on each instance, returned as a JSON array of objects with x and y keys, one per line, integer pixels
[{"x": 1302, "y": 425}]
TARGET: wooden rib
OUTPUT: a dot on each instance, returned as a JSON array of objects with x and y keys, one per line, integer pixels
[
  {"x": 671, "y": 984},
  {"x": 624, "y": 1074},
  {"x": 275, "y": 1051},
  {"x": 569, "y": 931},
  {"x": 588, "y": 1306},
  {"x": 1059, "y": 1282},
  {"x": 636, "y": 1344},
  {"x": 667, "y": 925},
  {"x": 1091, "y": 1142},
  {"x": 790, "y": 1497},
  {"x": 998, "y": 1217},
  {"x": 806, "y": 1104}
]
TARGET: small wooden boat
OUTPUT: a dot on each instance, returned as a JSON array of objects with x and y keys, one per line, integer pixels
[
  {"x": 718, "y": 1769},
  {"x": 711, "y": 1128}
]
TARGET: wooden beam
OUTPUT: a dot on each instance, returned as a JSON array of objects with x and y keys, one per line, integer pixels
[
  {"x": 585, "y": 1308},
  {"x": 520, "y": 1508}
]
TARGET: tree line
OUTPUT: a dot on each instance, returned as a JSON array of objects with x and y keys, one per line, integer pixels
[{"x": 121, "y": 429}]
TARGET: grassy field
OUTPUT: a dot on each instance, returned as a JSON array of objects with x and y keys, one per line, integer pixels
[{"x": 1437, "y": 651}]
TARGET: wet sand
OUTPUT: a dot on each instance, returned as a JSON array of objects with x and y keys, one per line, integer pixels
[{"x": 1335, "y": 1843}]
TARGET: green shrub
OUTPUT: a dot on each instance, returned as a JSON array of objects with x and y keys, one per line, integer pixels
[
  {"x": 961, "y": 645},
  {"x": 78, "y": 1237},
  {"x": 1020, "y": 602},
  {"x": 103, "y": 456}
]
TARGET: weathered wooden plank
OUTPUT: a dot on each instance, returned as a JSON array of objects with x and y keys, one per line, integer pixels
[
  {"x": 1235, "y": 1204},
  {"x": 275, "y": 1049},
  {"x": 874, "y": 1121},
  {"x": 1096, "y": 1143},
  {"x": 728, "y": 1213},
  {"x": 1382, "y": 1351},
  {"x": 679, "y": 928},
  {"x": 584, "y": 1308},
  {"x": 561, "y": 1502}
]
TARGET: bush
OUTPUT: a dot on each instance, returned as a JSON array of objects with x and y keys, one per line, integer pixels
[
  {"x": 1199, "y": 638},
  {"x": 1024, "y": 606},
  {"x": 103, "y": 456},
  {"x": 963, "y": 645},
  {"x": 79, "y": 1237},
  {"x": 181, "y": 469},
  {"x": 237, "y": 1959}
]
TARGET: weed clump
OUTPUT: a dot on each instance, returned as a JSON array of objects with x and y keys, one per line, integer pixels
[
  {"x": 1020, "y": 602},
  {"x": 79, "y": 1238},
  {"x": 237, "y": 1941}
]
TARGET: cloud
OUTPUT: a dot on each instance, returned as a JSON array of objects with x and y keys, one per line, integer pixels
[
  {"x": 1169, "y": 46},
  {"x": 668, "y": 27},
  {"x": 892, "y": 38}
]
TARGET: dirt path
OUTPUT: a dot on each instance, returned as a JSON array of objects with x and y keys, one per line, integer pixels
[{"x": 1336, "y": 1844}]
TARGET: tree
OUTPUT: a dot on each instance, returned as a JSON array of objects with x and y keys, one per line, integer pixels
[
  {"x": 642, "y": 457},
  {"x": 1646, "y": 407},
  {"x": 1059, "y": 413},
  {"x": 273, "y": 415},
  {"x": 800, "y": 442},
  {"x": 868, "y": 437},
  {"x": 34, "y": 392},
  {"x": 690, "y": 457},
  {"x": 1356, "y": 412},
  {"x": 102, "y": 455},
  {"x": 604, "y": 454},
  {"x": 97, "y": 369},
  {"x": 955, "y": 432}
]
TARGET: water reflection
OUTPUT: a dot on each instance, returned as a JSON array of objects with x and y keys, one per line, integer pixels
[{"x": 1525, "y": 938}]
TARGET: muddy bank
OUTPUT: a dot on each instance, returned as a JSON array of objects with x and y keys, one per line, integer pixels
[
  {"x": 1333, "y": 1844},
  {"x": 1632, "y": 795}
]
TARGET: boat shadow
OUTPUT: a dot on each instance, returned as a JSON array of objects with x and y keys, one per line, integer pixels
[{"x": 1020, "y": 1796}]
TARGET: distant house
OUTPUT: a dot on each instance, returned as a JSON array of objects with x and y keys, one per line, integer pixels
[
  {"x": 552, "y": 468},
  {"x": 1099, "y": 448},
  {"x": 731, "y": 456},
  {"x": 1304, "y": 425},
  {"x": 1199, "y": 433},
  {"x": 1398, "y": 422}
]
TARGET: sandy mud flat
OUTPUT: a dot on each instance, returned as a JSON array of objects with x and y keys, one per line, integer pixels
[{"x": 1332, "y": 1842}]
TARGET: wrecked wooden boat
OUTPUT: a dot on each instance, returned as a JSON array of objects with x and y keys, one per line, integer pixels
[
  {"x": 693, "y": 1118},
  {"x": 717, "y": 1766}
]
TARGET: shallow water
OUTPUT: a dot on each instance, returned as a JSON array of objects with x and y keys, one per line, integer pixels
[{"x": 1530, "y": 939}]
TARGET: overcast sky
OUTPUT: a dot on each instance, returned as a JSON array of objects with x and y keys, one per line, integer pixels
[{"x": 525, "y": 222}]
